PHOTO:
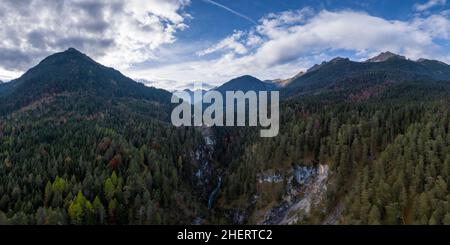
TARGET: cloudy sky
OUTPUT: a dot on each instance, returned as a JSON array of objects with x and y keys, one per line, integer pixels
[{"x": 173, "y": 43}]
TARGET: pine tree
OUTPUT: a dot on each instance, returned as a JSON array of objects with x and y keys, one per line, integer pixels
[
  {"x": 76, "y": 213},
  {"x": 109, "y": 189},
  {"x": 99, "y": 210},
  {"x": 374, "y": 216}
]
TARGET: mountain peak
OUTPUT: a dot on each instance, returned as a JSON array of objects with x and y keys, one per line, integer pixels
[
  {"x": 71, "y": 57},
  {"x": 246, "y": 78},
  {"x": 384, "y": 56},
  {"x": 72, "y": 50},
  {"x": 246, "y": 83},
  {"x": 338, "y": 59}
]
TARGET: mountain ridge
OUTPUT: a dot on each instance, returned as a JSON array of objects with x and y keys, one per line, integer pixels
[
  {"x": 387, "y": 68},
  {"x": 384, "y": 56},
  {"x": 74, "y": 72}
]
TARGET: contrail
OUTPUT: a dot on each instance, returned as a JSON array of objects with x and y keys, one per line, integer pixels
[{"x": 230, "y": 10}]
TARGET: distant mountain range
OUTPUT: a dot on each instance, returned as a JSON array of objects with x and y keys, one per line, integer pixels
[
  {"x": 342, "y": 73},
  {"x": 244, "y": 83},
  {"x": 191, "y": 96},
  {"x": 74, "y": 72}
]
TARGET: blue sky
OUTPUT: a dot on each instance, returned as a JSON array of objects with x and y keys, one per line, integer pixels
[{"x": 172, "y": 43}]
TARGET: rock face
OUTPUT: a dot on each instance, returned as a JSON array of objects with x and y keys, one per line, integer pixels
[
  {"x": 385, "y": 56},
  {"x": 305, "y": 188},
  {"x": 313, "y": 194},
  {"x": 303, "y": 174},
  {"x": 270, "y": 178}
]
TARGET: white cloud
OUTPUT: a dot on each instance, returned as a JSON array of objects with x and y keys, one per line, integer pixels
[
  {"x": 122, "y": 33},
  {"x": 253, "y": 40},
  {"x": 429, "y": 4},
  {"x": 437, "y": 26},
  {"x": 288, "y": 42},
  {"x": 6, "y": 75},
  {"x": 218, "y": 71},
  {"x": 345, "y": 30},
  {"x": 117, "y": 33},
  {"x": 231, "y": 43}
]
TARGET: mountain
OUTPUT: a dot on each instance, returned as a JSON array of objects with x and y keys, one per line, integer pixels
[
  {"x": 245, "y": 83},
  {"x": 82, "y": 144},
  {"x": 281, "y": 83},
  {"x": 386, "y": 56},
  {"x": 98, "y": 148},
  {"x": 437, "y": 70},
  {"x": 342, "y": 74},
  {"x": 191, "y": 95},
  {"x": 73, "y": 72},
  {"x": 355, "y": 132}
]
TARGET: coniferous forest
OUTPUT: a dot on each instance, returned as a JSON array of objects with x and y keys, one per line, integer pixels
[{"x": 82, "y": 144}]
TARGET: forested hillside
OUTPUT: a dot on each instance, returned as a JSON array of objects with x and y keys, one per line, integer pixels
[
  {"x": 389, "y": 157},
  {"x": 359, "y": 143},
  {"x": 96, "y": 149}
]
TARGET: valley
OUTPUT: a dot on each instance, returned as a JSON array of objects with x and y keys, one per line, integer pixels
[{"x": 359, "y": 143}]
